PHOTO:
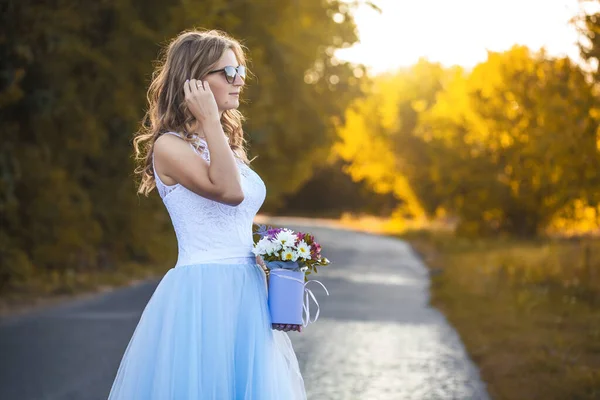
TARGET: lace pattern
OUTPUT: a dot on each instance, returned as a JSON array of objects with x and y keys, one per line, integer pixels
[{"x": 207, "y": 230}]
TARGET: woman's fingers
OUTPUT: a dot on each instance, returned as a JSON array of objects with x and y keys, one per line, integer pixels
[
  {"x": 194, "y": 85},
  {"x": 287, "y": 327},
  {"x": 200, "y": 100},
  {"x": 186, "y": 88}
]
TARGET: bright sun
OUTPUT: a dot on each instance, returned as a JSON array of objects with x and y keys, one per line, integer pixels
[{"x": 459, "y": 31}]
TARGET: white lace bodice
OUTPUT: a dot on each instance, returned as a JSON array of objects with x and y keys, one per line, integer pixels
[{"x": 209, "y": 231}]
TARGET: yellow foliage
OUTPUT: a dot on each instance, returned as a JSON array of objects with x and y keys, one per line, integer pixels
[
  {"x": 504, "y": 146},
  {"x": 365, "y": 141},
  {"x": 576, "y": 219}
]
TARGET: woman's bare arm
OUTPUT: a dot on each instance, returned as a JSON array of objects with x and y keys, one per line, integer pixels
[
  {"x": 220, "y": 180},
  {"x": 175, "y": 158}
]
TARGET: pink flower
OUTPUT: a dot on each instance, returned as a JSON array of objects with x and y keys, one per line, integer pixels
[{"x": 317, "y": 247}]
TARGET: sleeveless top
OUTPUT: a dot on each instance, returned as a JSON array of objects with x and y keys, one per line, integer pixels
[{"x": 208, "y": 231}]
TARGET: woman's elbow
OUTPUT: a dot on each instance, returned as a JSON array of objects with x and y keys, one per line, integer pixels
[{"x": 234, "y": 198}]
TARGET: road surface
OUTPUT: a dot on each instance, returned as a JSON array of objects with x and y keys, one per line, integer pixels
[{"x": 377, "y": 338}]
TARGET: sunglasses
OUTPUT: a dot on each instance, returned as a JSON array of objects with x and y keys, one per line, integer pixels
[{"x": 231, "y": 72}]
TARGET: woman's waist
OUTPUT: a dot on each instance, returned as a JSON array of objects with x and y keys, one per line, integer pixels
[{"x": 217, "y": 254}]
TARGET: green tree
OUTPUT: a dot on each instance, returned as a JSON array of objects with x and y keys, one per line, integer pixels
[
  {"x": 523, "y": 139},
  {"x": 587, "y": 23},
  {"x": 378, "y": 138},
  {"x": 73, "y": 82},
  {"x": 504, "y": 147}
]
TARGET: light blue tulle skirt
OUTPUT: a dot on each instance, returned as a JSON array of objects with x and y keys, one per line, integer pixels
[{"x": 206, "y": 334}]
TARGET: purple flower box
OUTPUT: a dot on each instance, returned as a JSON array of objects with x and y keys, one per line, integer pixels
[{"x": 286, "y": 290}]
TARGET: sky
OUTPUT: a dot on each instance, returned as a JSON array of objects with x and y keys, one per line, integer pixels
[{"x": 458, "y": 31}]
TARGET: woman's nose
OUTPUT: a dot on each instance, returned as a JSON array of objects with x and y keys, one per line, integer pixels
[{"x": 238, "y": 80}]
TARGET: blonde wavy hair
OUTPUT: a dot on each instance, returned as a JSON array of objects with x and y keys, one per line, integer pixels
[{"x": 190, "y": 55}]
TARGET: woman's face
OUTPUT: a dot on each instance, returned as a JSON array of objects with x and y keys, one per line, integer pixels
[{"x": 227, "y": 95}]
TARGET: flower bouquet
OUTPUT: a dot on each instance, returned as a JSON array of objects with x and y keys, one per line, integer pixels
[{"x": 289, "y": 257}]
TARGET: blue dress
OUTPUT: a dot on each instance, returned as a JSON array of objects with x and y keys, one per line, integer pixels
[{"x": 206, "y": 333}]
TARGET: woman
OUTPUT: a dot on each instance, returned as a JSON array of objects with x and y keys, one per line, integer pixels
[{"x": 206, "y": 331}]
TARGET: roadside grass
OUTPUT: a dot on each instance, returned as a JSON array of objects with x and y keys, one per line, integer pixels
[
  {"x": 527, "y": 311},
  {"x": 48, "y": 288}
]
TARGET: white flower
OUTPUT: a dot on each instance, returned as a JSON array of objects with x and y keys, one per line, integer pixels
[
  {"x": 289, "y": 255},
  {"x": 261, "y": 247},
  {"x": 272, "y": 247},
  {"x": 286, "y": 237},
  {"x": 303, "y": 250}
]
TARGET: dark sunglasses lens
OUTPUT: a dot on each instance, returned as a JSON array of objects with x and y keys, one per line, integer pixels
[
  {"x": 231, "y": 71},
  {"x": 229, "y": 74}
]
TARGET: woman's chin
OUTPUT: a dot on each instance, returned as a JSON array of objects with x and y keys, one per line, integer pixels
[{"x": 231, "y": 105}]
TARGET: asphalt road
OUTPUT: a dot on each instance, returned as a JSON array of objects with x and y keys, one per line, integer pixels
[{"x": 377, "y": 338}]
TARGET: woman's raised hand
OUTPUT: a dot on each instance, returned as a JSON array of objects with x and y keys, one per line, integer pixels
[{"x": 200, "y": 100}]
